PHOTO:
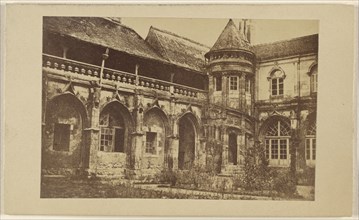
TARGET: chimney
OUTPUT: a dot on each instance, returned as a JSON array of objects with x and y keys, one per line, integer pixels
[
  {"x": 249, "y": 34},
  {"x": 244, "y": 29}
]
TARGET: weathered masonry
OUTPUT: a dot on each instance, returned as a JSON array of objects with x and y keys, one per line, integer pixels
[{"x": 115, "y": 104}]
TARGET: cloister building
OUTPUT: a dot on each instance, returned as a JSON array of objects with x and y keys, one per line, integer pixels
[{"x": 116, "y": 104}]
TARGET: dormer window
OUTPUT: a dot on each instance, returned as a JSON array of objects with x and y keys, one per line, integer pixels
[{"x": 277, "y": 82}]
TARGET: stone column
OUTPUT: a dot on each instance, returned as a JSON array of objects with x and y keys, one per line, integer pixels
[
  {"x": 202, "y": 151},
  {"x": 225, "y": 151},
  {"x": 225, "y": 90},
  {"x": 137, "y": 135},
  {"x": 137, "y": 143},
  {"x": 241, "y": 144},
  {"x": 173, "y": 152},
  {"x": 242, "y": 92},
  {"x": 301, "y": 160},
  {"x": 211, "y": 88},
  {"x": 92, "y": 141}
]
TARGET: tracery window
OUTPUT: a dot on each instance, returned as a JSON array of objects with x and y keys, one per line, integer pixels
[
  {"x": 310, "y": 144},
  {"x": 277, "y": 143}
]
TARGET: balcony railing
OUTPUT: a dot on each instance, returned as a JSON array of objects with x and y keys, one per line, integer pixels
[{"x": 79, "y": 68}]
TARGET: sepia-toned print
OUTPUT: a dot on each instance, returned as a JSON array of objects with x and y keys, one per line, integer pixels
[{"x": 135, "y": 110}]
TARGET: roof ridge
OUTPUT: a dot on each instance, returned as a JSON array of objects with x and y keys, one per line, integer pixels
[
  {"x": 74, "y": 18},
  {"x": 176, "y": 35},
  {"x": 280, "y": 41},
  {"x": 165, "y": 56},
  {"x": 138, "y": 35}
]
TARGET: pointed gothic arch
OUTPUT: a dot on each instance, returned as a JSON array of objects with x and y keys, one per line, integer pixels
[
  {"x": 275, "y": 133},
  {"x": 156, "y": 129},
  {"x": 63, "y": 137},
  {"x": 188, "y": 132},
  {"x": 116, "y": 125}
]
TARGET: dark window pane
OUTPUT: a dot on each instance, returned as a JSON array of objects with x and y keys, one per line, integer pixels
[
  {"x": 274, "y": 149},
  {"x": 151, "y": 142},
  {"x": 218, "y": 80},
  {"x": 314, "y": 148},
  {"x": 61, "y": 137}
]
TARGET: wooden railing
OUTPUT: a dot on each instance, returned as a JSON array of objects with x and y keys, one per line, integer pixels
[{"x": 81, "y": 68}]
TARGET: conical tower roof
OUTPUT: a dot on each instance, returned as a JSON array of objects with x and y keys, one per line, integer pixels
[{"x": 231, "y": 39}]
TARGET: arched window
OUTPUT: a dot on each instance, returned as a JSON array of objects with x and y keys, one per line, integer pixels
[
  {"x": 155, "y": 124},
  {"x": 313, "y": 74},
  {"x": 310, "y": 143},
  {"x": 277, "y": 82},
  {"x": 277, "y": 143},
  {"x": 113, "y": 131}
]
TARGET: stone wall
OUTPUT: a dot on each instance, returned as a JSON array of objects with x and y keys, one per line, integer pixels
[
  {"x": 295, "y": 69},
  {"x": 130, "y": 105}
]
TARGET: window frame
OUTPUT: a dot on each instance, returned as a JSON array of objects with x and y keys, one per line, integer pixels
[
  {"x": 311, "y": 145},
  {"x": 233, "y": 83},
  {"x": 154, "y": 143},
  {"x": 276, "y": 83},
  {"x": 107, "y": 132},
  {"x": 313, "y": 74},
  {"x": 247, "y": 86},
  {"x": 217, "y": 83},
  {"x": 277, "y": 146},
  {"x": 110, "y": 132}
]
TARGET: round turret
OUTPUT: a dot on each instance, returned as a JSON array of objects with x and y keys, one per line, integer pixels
[{"x": 230, "y": 64}]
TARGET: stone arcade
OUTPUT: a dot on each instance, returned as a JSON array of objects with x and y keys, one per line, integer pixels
[{"x": 115, "y": 104}]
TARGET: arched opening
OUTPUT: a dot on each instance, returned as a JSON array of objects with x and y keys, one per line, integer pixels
[
  {"x": 232, "y": 145},
  {"x": 156, "y": 127},
  {"x": 187, "y": 142},
  {"x": 115, "y": 127},
  {"x": 276, "y": 133},
  {"x": 66, "y": 118}
]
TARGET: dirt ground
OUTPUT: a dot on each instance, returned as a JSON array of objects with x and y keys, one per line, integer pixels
[{"x": 64, "y": 187}]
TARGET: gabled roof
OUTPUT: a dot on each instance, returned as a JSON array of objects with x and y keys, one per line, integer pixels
[
  {"x": 103, "y": 32},
  {"x": 178, "y": 50},
  {"x": 231, "y": 39},
  {"x": 301, "y": 45}
]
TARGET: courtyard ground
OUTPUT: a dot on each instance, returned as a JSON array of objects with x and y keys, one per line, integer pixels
[{"x": 65, "y": 187}]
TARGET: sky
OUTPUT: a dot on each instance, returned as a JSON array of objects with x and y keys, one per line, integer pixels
[{"x": 206, "y": 31}]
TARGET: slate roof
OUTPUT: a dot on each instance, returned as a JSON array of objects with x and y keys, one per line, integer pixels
[
  {"x": 301, "y": 45},
  {"x": 231, "y": 39},
  {"x": 177, "y": 49},
  {"x": 103, "y": 32}
]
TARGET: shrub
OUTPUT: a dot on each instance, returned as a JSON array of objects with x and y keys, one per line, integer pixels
[
  {"x": 257, "y": 175},
  {"x": 166, "y": 176},
  {"x": 213, "y": 157},
  {"x": 285, "y": 184}
]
